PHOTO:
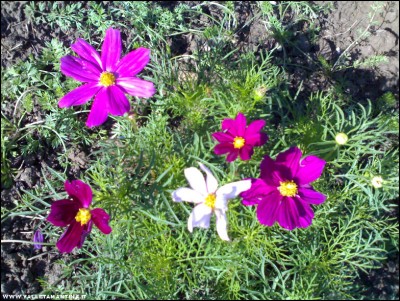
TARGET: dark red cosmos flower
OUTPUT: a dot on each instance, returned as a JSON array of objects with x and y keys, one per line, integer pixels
[
  {"x": 283, "y": 192},
  {"x": 75, "y": 213},
  {"x": 239, "y": 140}
]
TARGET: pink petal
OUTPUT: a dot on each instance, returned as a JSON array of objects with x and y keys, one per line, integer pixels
[
  {"x": 134, "y": 62},
  {"x": 240, "y": 124},
  {"x": 257, "y": 139},
  {"x": 311, "y": 168},
  {"x": 229, "y": 125},
  {"x": 63, "y": 212},
  {"x": 100, "y": 218},
  {"x": 311, "y": 196},
  {"x": 232, "y": 155},
  {"x": 223, "y": 137},
  {"x": 246, "y": 152},
  {"x": 87, "y": 52},
  {"x": 269, "y": 208},
  {"x": 118, "y": 104},
  {"x": 79, "y": 191},
  {"x": 99, "y": 111},
  {"x": 255, "y": 127},
  {"x": 111, "y": 49},
  {"x": 79, "y": 96},
  {"x": 223, "y": 148},
  {"x": 294, "y": 214},
  {"x": 291, "y": 159},
  {"x": 136, "y": 86},
  {"x": 78, "y": 69},
  {"x": 70, "y": 238},
  {"x": 270, "y": 173},
  {"x": 258, "y": 190}
]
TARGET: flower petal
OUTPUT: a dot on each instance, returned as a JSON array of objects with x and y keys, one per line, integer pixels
[
  {"x": 229, "y": 125},
  {"x": 269, "y": 208},
  {"x": 99, "y": 110},
  {"x": 211, "y": 181},
  {"x": 200, "y": 217},
  {"x": 85, "y": 232},
  {"x": 257, "y": 139},
  {"x": 311, "y": 168},
  {"x": 87, "y": 52},
  {"x": 111, "y": 49},
  {"x": 221, "y": 225},
  {"x": 246, "y": 152},
  {"x": 101, "y": 219},
  {"x": 70, "y": 238},
  {"x": 118, "y": 104},
  {"x": 294, "y": 214},
  {"x": 255, "y": 127},
  {"x": 63, "y": 212},
  {"x": 223, "y": 137},
  {"x": 240, "y": 124},
  {"x": 232, "y": 155},
  {"x": 291, "y": 159},
  {"x": 196, "y": 180},
  {"x": 311, "y": 196},
  {"x": 271, "y": 172},
  {"x": 258, "y": 190},
  {"x": 78, "y": 69},
  {"x": 187, "y": 195},
  {"x": 223, "y": 148},
  {"x": 79, "y": 96},
  {"x": 136, "y": 86},
  {"x": 79, "y": 191},
  {"x": 134, "y": 62},
  {"x": 232, "y": 190}
]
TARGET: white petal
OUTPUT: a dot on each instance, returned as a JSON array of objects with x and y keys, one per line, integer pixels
[
  {"x": 187, "y": 195},
  {"x": 232, "y": 190},
  {"x": 200, "y": 217},
  {"x": 196, "y": 180},
  {"x": 221, "y": 224},
  {"x": 212, "y": 183}
]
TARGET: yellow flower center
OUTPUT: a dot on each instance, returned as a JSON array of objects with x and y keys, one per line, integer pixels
[
  {"x": 210, "y": 200},
  {"x": 107, "y": 79},
  {"x": 83, "y": 216},
  {"x": 238, "y": 142},
  {"x": 288, "y": 188}
]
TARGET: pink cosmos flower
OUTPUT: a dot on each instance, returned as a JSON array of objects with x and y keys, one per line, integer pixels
[
  {"x": 283, "y": 192},
  {"x": 239, "y": 140},
  {"x": 75, "y": 213},
  {"x": 106, "y": 77},
  {"x": 208, "y": 198}
]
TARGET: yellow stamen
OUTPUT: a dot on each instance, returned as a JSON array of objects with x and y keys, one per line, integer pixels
[
  {"x": 238, "y": 142},
  {"x": 210, "y": 200},
  {"x": 83, "y": 216},
  {"x": 288, "y": 188},
  {"x": 107, "y": 79}
]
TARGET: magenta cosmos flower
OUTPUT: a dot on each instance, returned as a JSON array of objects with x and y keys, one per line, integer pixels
[
  {"x": 75, "y": 213},
  {"x": 283, "y": 192},
  {"x": 107, "y": 77},
  {"x": 239, "y": 140}
]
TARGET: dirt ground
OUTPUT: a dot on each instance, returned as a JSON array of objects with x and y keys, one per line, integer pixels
[{"x": 339, "y": 30}]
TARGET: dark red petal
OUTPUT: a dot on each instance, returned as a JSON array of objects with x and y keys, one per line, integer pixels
[
  {"x": 70, "y": 238},
  {"x": 246, "y": 152},
  {"x": 85, "y": 232},
  {"x": 232, "y": 155},
  {"x": 257, "y": 139},
  {"x": 63, "y": 212},
  {"x": 223, "y": 148},
  {"x": 240, "y": 124},
  {"x": 271, "y": 172},
  {"x": 100, "y": 218},
  {"x": 222, "y": 137},
  {"x": 257, "y": 192},
  {"x": 311, "y": 196},
  {"x": 269, "y": 208},
  {"x": 255, "y": 127},
  {"x": 80, "y": 191}
]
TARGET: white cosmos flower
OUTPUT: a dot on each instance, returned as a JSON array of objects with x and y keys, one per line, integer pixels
[{"x": 208, "y": 198}]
